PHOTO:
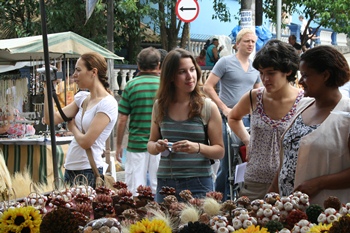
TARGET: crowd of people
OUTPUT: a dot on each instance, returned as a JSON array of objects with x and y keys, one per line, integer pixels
[{"x": 297, "y": 139}]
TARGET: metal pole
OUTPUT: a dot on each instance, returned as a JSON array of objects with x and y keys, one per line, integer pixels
[
  {"x": 279, "y": 19},
  {"x": 49, "y": 87},
  {"x": 110, "y": 62}
]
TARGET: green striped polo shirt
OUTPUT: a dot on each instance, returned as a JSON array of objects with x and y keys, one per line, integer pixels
[{"x": 137, "y": 102}]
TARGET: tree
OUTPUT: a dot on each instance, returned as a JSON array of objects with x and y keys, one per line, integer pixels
[
  {"x": 19, "y": 18},
  {"x": 22, "y": 18},
  {"x": 63, "y": 15},
  {"x": 333, "y": 14}
]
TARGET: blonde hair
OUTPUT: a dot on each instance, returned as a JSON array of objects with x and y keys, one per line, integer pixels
[{"x": 243, "y": 32}]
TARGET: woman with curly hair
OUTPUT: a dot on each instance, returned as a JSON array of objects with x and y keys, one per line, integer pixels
[
  {"x": 177, "y": 119},
  {"x": 271, "y": 108}
]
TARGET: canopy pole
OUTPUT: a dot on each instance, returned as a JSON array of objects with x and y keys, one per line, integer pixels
[{"x": 49, "y": 87}]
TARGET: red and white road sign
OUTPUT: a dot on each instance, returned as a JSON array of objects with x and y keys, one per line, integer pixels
[{"x": 187, "y": 10}]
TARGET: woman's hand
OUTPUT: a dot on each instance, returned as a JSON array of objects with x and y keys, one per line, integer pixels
[
  {"x": 161, "y": 145},
  {"x": 310, "y": 187},
  {"x": 186, "y": 146}
]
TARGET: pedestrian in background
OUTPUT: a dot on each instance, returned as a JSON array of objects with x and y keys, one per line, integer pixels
[
  {"x": 213, "y": 52},
  {"x": 136, "y": 103},
  {"x": 201, "y": 58},
  {"x": 236, "y": 76}
]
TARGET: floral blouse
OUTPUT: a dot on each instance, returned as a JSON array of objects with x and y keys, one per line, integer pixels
[
  {"x": 264, "y": 158},
  {"x": 290, "y": 145}
]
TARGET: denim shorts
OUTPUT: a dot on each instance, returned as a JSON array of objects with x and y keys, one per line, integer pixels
[
  {"x": 69, "y": 176},
  {"x": 199, "y": 186}
]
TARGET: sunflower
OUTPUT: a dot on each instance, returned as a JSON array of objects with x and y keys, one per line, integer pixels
[
  {"x": 252, "y": 229},
  {"x": 139, "y": 227},
  {"x": 147, "y": 226},
  {"x": 22, "y": 219},
  {"x": 158, "y": 225},
  {"x": 320, "y": 228}
]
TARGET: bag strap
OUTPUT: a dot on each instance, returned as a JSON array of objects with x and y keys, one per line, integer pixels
[
  {"x": 89, "y": 151},
  {"x": 251, "y": 99},
  {"x": 206, "y": 114},
  {"x": 107, "y": 153}
]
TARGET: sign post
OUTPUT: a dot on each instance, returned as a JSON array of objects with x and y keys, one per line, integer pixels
[{"x": 187, "y": 11}]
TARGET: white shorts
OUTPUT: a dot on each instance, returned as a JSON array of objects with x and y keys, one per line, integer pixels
[{"x": 137, "y": 165}]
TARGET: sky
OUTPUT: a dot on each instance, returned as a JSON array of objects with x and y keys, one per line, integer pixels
[{"x": 205, "y": 25}]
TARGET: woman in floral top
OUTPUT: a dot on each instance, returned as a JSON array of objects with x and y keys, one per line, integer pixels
[{"x": 271, "y": 108}]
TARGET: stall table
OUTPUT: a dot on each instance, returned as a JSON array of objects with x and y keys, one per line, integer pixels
[{"x": 35, "y": 155}]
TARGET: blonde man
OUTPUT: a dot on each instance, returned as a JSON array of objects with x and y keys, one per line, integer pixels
[{"x": 236, "y": 76}]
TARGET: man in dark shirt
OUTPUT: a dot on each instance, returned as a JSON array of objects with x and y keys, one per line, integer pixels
[{"x": 293, "y": 41}]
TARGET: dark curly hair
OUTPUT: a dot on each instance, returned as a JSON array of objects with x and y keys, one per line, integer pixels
[
  {"x": 322, "y": 58},
  {"x": 279, "y": 55}
]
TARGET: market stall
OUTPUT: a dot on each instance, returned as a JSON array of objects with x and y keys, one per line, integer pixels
[
  {"x": 34, "y": 154},
  {"x": 26, "y": 152}
]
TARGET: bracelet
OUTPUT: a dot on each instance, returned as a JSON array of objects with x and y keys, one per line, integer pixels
[{"x": 199, "y": 148}]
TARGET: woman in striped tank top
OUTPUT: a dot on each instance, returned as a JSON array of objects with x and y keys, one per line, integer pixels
[{"x": 178, "y": 132}]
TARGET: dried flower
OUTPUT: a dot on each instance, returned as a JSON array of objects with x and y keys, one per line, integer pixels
[{"x": 59, "y": 220}]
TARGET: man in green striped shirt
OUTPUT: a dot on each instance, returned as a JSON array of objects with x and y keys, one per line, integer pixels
[{"x": 136, "y": 103}]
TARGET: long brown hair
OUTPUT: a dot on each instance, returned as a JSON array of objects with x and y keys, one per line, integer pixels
[
  {"x": 167, "y": 89},
  {"x": 96, "y": 60}
]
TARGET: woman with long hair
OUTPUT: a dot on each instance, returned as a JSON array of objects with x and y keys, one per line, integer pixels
[{"x": 177, "y": 129}]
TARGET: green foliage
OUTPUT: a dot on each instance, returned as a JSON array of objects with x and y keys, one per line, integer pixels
[
  {"x": 222, "y": 12},
  {"x": 19, "y": 18},
  {"x": 63, "y": 15},
  {"x": 334, "y": 14}
]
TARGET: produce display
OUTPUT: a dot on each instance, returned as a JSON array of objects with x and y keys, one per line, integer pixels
[{"x": 82, "y": 209}]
